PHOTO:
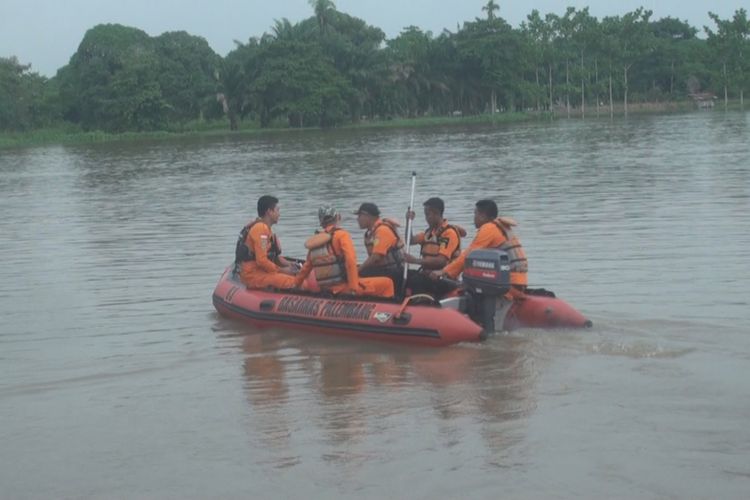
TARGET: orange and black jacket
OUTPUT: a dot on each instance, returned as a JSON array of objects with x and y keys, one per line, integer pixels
[
  {"x": 444, "y": 240},
  {"x": 342, "y": 247},
  {"x": 496, "y": 234},
  {"x": 394, "y": 258},
  {"x": 257, "y": 243}
]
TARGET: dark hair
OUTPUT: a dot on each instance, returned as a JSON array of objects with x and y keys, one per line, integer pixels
[
  {"x": 435, "y": 203},
  {"x": 488, "y": 208},
  {"x": 266, "y": 203},
  {"x": 369, "y": 209}
]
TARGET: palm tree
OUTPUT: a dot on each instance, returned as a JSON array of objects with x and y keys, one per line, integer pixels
[
  {"x": 284, "y": 30},
  {"x": 323, "y": 9},
  {"x": 490, "y": 9}
]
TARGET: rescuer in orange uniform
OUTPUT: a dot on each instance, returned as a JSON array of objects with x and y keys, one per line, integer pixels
[
  {"x": 385, "y": 250},
  {"x": 440, "y": 244},
  {"x": 258, "y": 252},
  {"x": 331, "y": 256},
  {"x": 494, "y": 232}
]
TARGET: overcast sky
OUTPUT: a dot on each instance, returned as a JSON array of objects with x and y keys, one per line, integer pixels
[{"x": 46, "y": 33}]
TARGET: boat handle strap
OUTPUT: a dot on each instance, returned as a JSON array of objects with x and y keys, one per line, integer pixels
[{"x": 409, "y": 299}]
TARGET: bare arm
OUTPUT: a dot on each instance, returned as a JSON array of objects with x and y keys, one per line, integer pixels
[{"x": 373, "y": 260}]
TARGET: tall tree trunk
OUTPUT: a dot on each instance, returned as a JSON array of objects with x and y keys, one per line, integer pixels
[
  {"x": 671, "y": 82},
  {"x": 356, "y": 108},
  {"x": 742, "y": 83},
  {"x": 228, "y": 111},
  {"x": 550, "y": 86},
  {"x": 596, "y": 79},
  {"x": 611, "y": 105},
  {"x": 493, "y": 102},
  {"x": 625, "y": 75},
  {"x": 726, "y": 94},
  {"x": 265, "y": 118},
  {"x": 538, "y": 89},
  {"x": 583, "y": 90},
  {"x": 567, "y": 87}
]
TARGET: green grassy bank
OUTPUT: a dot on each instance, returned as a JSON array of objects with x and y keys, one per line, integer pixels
[{"x": 70, "y": 134}]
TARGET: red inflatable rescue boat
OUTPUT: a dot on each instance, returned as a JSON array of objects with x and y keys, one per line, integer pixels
[{"x": 430, "y": 322}]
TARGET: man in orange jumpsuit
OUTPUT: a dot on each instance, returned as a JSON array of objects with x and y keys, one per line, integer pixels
[
  {"x": 258, "y": 252},
  {"x": 333, "y": 259},
  {"x": 493, "y": 232},
  {"x": 440, "y": 244},
  {"x": 385, "y": 256}
]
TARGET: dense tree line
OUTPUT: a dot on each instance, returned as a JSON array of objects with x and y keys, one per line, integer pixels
[{"x": 333, "y": 68}]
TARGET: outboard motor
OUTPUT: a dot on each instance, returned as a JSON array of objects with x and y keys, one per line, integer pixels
[{"x": 487, "y": 277}]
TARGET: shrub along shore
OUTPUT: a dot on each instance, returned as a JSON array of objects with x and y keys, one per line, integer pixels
[{"x": 218, "y": 128}]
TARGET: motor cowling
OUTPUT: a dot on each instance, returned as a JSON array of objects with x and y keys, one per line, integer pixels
[
  {"x": 486, "y": 276},
  {"x": 487, "y": 272}
]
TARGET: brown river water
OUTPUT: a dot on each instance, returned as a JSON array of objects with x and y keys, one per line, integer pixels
[{"x": 119, "y": 380}]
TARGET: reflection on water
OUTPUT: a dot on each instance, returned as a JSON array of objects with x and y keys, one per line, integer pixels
[
  {"x": 117, "y": 373},
  {"x": 345, "y": 382}
]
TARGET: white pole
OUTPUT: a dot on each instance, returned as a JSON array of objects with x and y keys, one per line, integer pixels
[{"x": 408, "y": 228}]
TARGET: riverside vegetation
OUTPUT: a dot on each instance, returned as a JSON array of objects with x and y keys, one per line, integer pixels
[{"x": 333, "y": 70}]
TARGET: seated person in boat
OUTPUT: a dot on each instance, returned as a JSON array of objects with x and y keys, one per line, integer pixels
[
  {"x": 333, "y": 259},
  {"x": 493, "y": 232},
  {"x": 439, "y": 244},
  {"x": 258, "y": 252},
  {"x": 385, "y": 250}
]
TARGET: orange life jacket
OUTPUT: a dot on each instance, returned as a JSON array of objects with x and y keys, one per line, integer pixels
[
  {"x": 519, "y": 266},
  {"x": 433, "y": 240},
  {"x": 328, "y": 267},
  {"x": 243, "y": 253},
  {"x": 394, "y": 258}
]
